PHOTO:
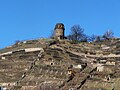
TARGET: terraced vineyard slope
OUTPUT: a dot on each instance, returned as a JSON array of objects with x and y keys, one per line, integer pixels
[{"x": 47, "y": 64}]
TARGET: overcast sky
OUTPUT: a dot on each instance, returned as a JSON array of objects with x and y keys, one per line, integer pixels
[{"x": 31, "y": 19}]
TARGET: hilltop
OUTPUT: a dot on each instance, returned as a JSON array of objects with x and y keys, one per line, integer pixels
[{"x": 61, "y": 64}]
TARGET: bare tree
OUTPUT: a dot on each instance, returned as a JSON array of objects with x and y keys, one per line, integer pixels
[
  {"x": 92, "y": 38},
  {"x": 108, "y": 34},
  {"x": 77, "y": 33}
]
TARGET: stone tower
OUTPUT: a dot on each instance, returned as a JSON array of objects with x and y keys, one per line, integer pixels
[{"x": 59, "y": 31}]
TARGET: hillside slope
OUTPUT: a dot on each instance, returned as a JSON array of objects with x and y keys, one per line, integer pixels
[{"x": 46, "y": 64}]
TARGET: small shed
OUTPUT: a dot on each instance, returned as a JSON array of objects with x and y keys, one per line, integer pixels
[
  {"x": 77, "y": 66},
  {"x": 49, "y": 61},
  {"x": 69, "y": 71},
  {"x": 3, "y": 58},
  {"x": 103, "y": 61},
  {"x": 111, "y": 62},
  {"x": 100, "y": 68}
]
